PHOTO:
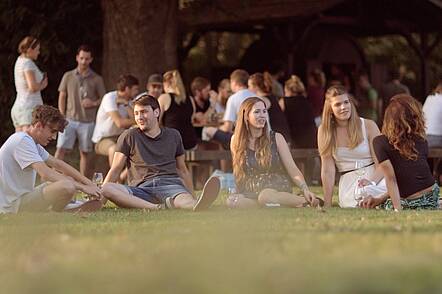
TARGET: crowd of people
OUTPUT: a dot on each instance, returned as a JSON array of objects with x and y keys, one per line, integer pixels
[{"x": 145, "y": 137}]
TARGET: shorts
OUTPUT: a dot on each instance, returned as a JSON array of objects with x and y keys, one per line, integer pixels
[
  {"x": 428, "y": 200},
  {"x": 34, "y": 201},
  {"x": 156, "y": 190},
  {"x": 75, "y": 129},
  {"x": 21, "y": 116},
  {"x": 102, "y": 146}
]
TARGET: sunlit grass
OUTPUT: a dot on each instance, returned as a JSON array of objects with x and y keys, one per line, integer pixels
[{"x": 222, "y": 251}]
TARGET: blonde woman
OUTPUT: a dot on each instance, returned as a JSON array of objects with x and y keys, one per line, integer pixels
[
  {"x": 345, "y": 141},
  {"x": 29, "y": 81},
  {"x": 177, "y": 109},
  {"x": 262, "y": 164}
]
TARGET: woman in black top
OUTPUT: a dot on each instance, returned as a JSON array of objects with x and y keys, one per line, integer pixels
[
  {"x": 299, "y": 113},
  {"x": 177, "y": 109},
  {"x": 402, "y": 152},
  {"x": 261, "y": 84},
  {"x": 262, "y": 164}
]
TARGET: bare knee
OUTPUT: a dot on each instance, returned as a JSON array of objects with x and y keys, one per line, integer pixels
[
  {"x": 108, "y": 190},
  {"x": 266, "y": 196},
  {"x": 67, "y": 187}
]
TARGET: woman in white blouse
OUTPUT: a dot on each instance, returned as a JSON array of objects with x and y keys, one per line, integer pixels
[
  {"x": 432, "y": 113},
  {"x": 29, "y": 81}
]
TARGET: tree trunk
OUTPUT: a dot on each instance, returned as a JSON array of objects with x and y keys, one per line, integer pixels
[{"x": 140, "y": 38}]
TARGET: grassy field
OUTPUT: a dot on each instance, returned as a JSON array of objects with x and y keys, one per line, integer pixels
[{"x": 273, "y": 250}]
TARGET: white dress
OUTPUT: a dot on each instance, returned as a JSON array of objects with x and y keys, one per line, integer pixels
[{"x": 345, "y": 160}]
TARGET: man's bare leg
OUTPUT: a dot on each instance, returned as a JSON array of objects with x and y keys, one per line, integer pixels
[{"x": 119, "y": 195}]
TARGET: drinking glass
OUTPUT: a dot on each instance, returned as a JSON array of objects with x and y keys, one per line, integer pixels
[
  {"x": 360, "y": 191},
  {"x": 97, "y": 178}
]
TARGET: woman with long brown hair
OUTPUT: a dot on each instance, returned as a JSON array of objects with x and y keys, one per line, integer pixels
[
  {"x": 262, "y": 164},
  {"x": 345, "y": 141},
  {"x": 177, "y": 109},
  {"x": 402, "y": 152}
]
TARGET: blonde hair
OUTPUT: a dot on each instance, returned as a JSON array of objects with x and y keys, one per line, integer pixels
[
  {"x": 328, "y": 125},
  {"x": 295, "y": 85},
  {"x": 175, "y": 85},
  {"x": 403, "y": 124},
  {"x": 241, "y": 138}
]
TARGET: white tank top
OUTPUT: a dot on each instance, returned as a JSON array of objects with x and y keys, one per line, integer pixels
[{"x": 345, "y": 157}]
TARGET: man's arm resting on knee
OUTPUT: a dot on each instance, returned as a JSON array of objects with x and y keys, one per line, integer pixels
[
  {"x": 67, "y": 170},
  {"x": 183, "y": 172},
  {"x": 51, "y": 175},
  {"x": 118, "y": 164}
]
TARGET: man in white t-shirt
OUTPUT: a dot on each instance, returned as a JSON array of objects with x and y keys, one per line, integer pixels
[
  {"x": 22, "y": 157},
  {"x": 238, "y": 84},
  {"x": 115, "y": 114}
]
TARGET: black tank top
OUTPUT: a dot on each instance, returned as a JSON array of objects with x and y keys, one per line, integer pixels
[
  {"x": 278, "y": 121},
  {"x": 299, "y": 114},
  {"x": 179, "y": 117},
  {"x": 258, "y": 178}
]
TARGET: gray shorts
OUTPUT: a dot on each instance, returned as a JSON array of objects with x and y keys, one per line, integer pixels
[
  {"x": 34, "y": 201},
  {"x": 75, "y": 129}
]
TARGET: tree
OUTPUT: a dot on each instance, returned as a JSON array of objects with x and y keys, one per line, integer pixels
[{"x": 139, "y": 37}]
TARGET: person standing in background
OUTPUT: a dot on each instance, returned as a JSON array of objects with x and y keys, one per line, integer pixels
[
  {"x": 80, "y": 93},
  {"x": 29, "y": 82},
  {"x": 315, "y": 92},
  {"x": 154, "y": 85}
]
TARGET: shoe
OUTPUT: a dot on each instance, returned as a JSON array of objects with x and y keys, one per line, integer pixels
[
  {"x": 88, "y": 206},
  {"x": 209, "y": 194}
]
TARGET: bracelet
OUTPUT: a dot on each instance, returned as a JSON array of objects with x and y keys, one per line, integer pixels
[{"x": 303, "y": 186}]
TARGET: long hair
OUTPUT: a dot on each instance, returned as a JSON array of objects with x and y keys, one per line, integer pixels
[
  {"x": 263, "y": 81},
  {"x": 328, "y": 129},
  {"x": 241, "y": 139},
  {"x": 403, "y": 124},
  {"x": 175, "y": 85}
]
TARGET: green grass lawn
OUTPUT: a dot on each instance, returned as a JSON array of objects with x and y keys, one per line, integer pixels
[{"x": 275, "y": 250}]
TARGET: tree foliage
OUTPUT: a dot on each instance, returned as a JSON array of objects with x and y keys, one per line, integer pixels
[{"x": 61, "y": 26}]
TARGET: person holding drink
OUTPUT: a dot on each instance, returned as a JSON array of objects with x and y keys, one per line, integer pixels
[
  {"x": 345, "y": 141},
  {"x": 80, "y": 93},
  {"x": 29, "y": 82}
]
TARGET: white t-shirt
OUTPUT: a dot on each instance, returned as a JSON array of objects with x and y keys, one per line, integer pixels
[
  {"x": 433, "y": 114},
  {"x": 25, "y": 97},
  {"x": 104, "y": 125},
  {"x": 234, "y": 103},
  {"x": 17, "y": 177}
]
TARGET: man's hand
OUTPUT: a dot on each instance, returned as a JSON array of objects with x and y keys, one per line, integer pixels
[
  {"x": 92, "y": 190},
  {"x": 88, "y": 103}
]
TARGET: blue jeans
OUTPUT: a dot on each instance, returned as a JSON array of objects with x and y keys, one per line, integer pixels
[{"x": 156, "y": 190}]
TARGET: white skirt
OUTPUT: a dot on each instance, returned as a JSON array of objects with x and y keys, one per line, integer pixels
[{"x": 347, "y": 186}]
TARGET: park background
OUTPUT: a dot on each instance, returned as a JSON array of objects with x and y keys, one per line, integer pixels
[{"x": 223, "y": 251}]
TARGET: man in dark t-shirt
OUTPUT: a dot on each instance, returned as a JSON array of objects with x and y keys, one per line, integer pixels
[{"x": 157, "y": 174}]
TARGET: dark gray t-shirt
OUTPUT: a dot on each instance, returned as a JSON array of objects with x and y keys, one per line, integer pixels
[{"x": 150, "y": 157}]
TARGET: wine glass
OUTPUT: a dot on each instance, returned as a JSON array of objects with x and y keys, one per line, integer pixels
[
  {"x": 360, "y": 191},
  {"x": 97, "y": 179}
]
